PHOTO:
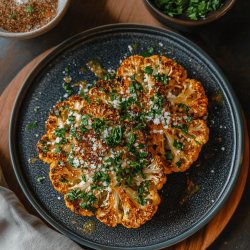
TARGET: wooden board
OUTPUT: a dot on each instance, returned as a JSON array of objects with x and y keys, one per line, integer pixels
[{"x": 200, "y": 240}]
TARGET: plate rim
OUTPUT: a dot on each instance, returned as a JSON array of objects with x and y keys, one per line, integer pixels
[{"x": 144, "y": 29}]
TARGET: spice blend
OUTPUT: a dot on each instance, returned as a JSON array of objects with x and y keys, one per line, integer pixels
[{"x": 26, "y": 15}]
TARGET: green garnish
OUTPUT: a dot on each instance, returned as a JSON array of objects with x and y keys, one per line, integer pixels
[
  {"x": 178, "y": 163},
  {"x": 178, "y": 145},
  {"x": 69, "y": 90},
  {"x": 143, "y": 154},
  {"x": 182, "y": 127},
  {"x": 189, "y": 119},
  {"x": 142, "y": 193},
  {"x": 162, "y": 78},
  {"x": 60, "y": 132},
  {"x": 31, "y": 125},
  {"x": 73, "y": 133},
  {"x": 109, "y": 76},
  {"x": 184, "y": 107},
  {"x": 198, "y": 9},
  {"x": 84, "y": 178},
  {"x": 58, "y": 150},
  {"x": 30, "y": 9},
  {"x": 40, "y": 179},
  {"x": 131, "y": 139},
  {"x": 64, "y": 180},
  {"x": 191, "y": 9},
  {"x": 148, "y": 70},
  {"x": 115, "y": 137},
  {"x": 170, "y": 7},
  {"x": 86, "y": 200},
  {"x": 148, "y": 53},
  {"x": 98, "y": 125},
  {"x": 169, "y": 156},
  {"x": 45, "y": 147},
  {"x": 13, "y": 16},
  {"x": 71, "y": 119},
  {"x": 66, "y": 70},
  {"x": 85, "y": 97},
  {"x": 85, "y": 120},
  {"x": 112, "y": 95},
  {"x": 101, "y": 177},
  {"x": 83, "y": 129}
]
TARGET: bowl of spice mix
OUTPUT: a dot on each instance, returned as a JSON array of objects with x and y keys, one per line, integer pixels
[
  {"x": 30, "y": 18},
  {"x": 187, "y": 15}
]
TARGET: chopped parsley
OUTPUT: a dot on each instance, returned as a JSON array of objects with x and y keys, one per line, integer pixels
[
  {"x": 170, "y": 7},
  {"x": 143, "y": 191},
  {"x": 31, "y": 125},
  {"x": 69, "y": 90},
  {"x": 66, "y": 70},
  {"x": 112, "y": 94},
  {"x": 148, "y": 70},
  {"x": 60, "y": 132},
  {"x": 83, "y": 177},
  {"x": 45, "y": 148},
  {"x": 98, "y": 125},
  {"x": 115, "y": 136},
  {"x": 64, "y": 180},
  {"x": 162, "y": 78},
  {"x": 191, "y": 9},
  {"x": 182, "y": 127},
  {"x": 179, "y": 163},
  {"x": 131, "y": 138},
  {"x": 169, "y": 155},
  {"x": 184, "y": 107},
  {"x": 40, "y": 179},
  {"x": 178, "y": 145},
  {"x": 109, "y": 76},
  {"x": 30, "y": 9},
  {"x": 101, "y": 177},
  {"x": 198, "y": 9},
  {"x": 85, "y": 120},
  {"x": 83, "y": 129},
  {"x": 189, "y": 119},
  {"x": 148, "y": 52},
  {"x": 58, "y": 149},
  {"x": 85, "y": 97},
  {"x": 86, "y": 200}
]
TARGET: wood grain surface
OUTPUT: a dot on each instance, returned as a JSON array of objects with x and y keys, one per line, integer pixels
[{"x": 125, "y": 11}]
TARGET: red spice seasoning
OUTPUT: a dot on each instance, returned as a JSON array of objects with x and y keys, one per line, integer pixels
[{"x": 26, "y": 15}]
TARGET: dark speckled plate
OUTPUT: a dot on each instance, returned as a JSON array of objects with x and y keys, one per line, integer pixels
[{"x": 214, "y": 173}]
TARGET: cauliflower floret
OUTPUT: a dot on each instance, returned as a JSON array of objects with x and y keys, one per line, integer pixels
[
  {"x": 162, "y": 65},
  {"x": 63, "y": 176},
  {"x": 179, "y": 146},
  {"x": 189, "y": 97},
  {"x": 141, "y": 67},
  {"x": 131, "y": 67}
]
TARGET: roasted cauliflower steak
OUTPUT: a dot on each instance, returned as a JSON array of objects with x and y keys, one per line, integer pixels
[
  {"x": 175, "y": 108},
  {"x": 101, "y": 163}
]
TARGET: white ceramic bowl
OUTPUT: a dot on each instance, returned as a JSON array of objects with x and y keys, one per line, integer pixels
[{"x": 61, "y": 10}]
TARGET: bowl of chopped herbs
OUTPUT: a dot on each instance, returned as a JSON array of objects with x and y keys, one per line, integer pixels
[
  {"x": 188, "y": 14},
  {"x": 30, "y": 18}
]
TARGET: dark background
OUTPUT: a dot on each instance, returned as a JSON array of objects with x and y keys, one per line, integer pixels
[{"x": 226, "y": 41}]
